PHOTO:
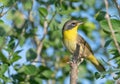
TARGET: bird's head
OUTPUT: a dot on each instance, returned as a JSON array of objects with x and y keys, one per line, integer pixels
[{"x": 71, "y": 24}]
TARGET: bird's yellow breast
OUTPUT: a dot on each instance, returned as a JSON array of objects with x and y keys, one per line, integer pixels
[
  {"x": 70, "y": 38},
  {"x": 71, "y": 33}
]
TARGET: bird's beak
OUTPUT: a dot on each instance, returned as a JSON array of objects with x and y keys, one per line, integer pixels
[{"x": 80, "y": 22}]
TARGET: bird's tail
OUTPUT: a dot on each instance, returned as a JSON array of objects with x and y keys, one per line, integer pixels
[{"x": 96, "y": 63}]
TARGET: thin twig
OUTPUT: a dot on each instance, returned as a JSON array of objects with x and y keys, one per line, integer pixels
[
  {"x": 39, "y": 43},
  {"x": 117, "y": 6},
  {"x": 111, "y": 28},
  {"x": 3, "y": 13},
  {"x": 4, "y": 39},
  {"x": 46, "y": 25},
  {"x": 118, "y": 81}
]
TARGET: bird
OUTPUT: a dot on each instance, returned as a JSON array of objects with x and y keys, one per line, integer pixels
[{"x": 72, "y": 40}]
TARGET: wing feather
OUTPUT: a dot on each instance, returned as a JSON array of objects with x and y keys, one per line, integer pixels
[{"x": 85, "y": 48}]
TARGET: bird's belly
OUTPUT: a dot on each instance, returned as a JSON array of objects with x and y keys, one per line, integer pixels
[{"x": 70, "y": 45}]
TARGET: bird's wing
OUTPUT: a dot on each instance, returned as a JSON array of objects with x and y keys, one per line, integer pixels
[{"x": 81, "y": 41}]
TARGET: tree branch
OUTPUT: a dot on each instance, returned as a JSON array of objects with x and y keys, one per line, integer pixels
[
  {"x": 39, "y": 43},
  {"x": 74, "y": 72},
  {"x": 111, "y": 28},
  {"x": 76, "y": 60}
]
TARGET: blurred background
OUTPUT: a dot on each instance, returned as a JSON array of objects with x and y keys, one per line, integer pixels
[{"x": 31, "y": 48}]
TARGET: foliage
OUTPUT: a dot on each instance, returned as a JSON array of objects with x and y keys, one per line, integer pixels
[{"x": 31, "y": 49}]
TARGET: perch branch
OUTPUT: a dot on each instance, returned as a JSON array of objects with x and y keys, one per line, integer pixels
[
  {"x": 74, "y": 72},
  {"x": 76, "y": 60},
  {"x": 110, "y": 26}
]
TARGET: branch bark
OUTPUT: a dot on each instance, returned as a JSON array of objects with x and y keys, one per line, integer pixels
[
  {"x": 111, "y": 28},
  {"x": 74, "y": 73},
  {"x": 39, "y": 43},
  {"x": 74, "y": 64}
]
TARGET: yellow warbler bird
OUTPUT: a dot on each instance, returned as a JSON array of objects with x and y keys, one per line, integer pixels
[{"x": 71, "y": 39}]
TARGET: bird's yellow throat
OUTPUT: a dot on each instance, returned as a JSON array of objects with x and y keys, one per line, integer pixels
[{"x": 70, "y": 34}]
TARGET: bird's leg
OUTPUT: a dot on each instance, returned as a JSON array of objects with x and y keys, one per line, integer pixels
[
  {"x": 76, "y": 54},
  {"x": 80, "y": 60},
  {"x": 77, "y": 57}
]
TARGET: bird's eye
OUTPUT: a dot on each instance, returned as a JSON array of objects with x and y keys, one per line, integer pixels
[{"x": 73, "y": 24}]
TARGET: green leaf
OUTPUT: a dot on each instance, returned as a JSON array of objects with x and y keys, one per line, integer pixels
[
  {"x": 114, "y": 52},
  {"x": 90, "y": 3},
  {"x": 97, "y": 75},
  {"x": 107, "y": 43},
  {"x": 31, "y": 54},
  {"x": 4, "y": 28},
  {"x": 63, "y": 11},
  {"x": 15, "y": 58},
  {"x": 1, "y": 21},
  {"x": 45, "y": 72},
  {"x": 48, "y": 74},
  {"x": 6, "y": 79},
  {"x": 3, "y": 58},
  {"x": 117, "y": 59},
  {"x": 19, "y": 19},
  {"x": 28, "y": 69},
  {"x": 11, "y": 43},
  {"x": 3, "y": 68},
  {"x": 19, "y": 76},
  {"x": 115, "y": 25},
  {"x": 18, "y": 51},
  {"x": 4, "y": 2},
  {"x": 2, "y": 31},
  {"x": 109, "y": 82},
  {"x": 22, "y": 41},
  {"x": 89, "y": 26},
  {"x": 43, "y": 11},
  {"x": 42, "y": 19},
  {"x": 27, "y": 4},
  {"x": 118, "y": 37},
  {"x": 2, "y": 39},
  {"x": 100, "y": 15},
  {"x": 43, "y": 68},
  {"x": 39, "y": 80},
  {"x": 8, "y": 3}
]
